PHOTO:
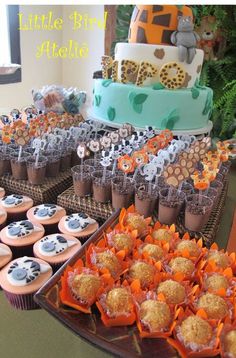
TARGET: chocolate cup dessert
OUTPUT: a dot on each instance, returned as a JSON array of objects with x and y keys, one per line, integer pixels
[
  {"x": 146, "y": 197},
  {"x": 122, "y": 197},
  {"x": 161, "y": 183},
  {"x": 36, "y": 173},
  {"x": 219, "y": 177},
  {"x": 65, "y": 163},
  {"x": 187, "y": 188},
  {"x": 197, "y": 211},
  {"x": 224, "y": 170},
  {"x": 102, "y": 189},
  {"x": 75, "y": 160},
  {"x": 5, "y": 161},
  {"x": 211, "y": 193},
  {"x": 170, "y": 203},
  {"x": 82, "y": 180},
  {"x": 216, "y": 184},
  {"x": 18, "y": 167},
  {"x": 93, "y": 163},
  {"x": 53, "y": 164}
]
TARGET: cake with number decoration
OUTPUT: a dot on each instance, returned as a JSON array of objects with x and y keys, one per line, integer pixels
[{"x": 154, "y": 78}]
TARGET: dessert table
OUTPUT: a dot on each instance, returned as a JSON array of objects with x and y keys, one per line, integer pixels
[{"x": 36, "y": 334}]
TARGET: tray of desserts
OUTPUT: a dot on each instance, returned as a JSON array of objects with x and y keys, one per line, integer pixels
[{"x": 137, "y": 288}]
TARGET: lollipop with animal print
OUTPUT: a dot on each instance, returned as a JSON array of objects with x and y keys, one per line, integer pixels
[
  {"x": 105, "y": 161},
  {"x": 140, "y": 158},
  {"x": 21, "y": 137}
]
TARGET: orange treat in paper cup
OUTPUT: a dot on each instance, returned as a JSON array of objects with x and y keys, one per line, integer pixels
[
  {"x": 116, "y": 306},
  {"x": 131, "y": 220},
  {"x": 148, "y": 250},
  {"x": 80, "y": 286},
  {"x": 195, "y": 336},
  {"x": 221, "y": 284},
  {"x": 145, "y": 272},
  {"x": 189, "y": 248},
  {"x": 155, "y": 318},
  {"x": 228, "y": 341},
  {"x": 216, "y": 259},
  {"x": 181, "y": 265},
  {"x": 106, "y": 260},
  {"x": 164, "y": 234},
  {"x": 122, "y": 240}
]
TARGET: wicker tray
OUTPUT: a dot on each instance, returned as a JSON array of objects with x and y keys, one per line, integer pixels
[
  {"x": 120, "y": 341},
  {"x": 209, "y": 232},
  {"x": 74, "y": 203},
  {"x": 45, "y": 193}
]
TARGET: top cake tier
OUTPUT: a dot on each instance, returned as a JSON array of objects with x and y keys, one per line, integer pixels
[
  {"x": 158, "y": 55},
  {"x": 154, "y": 24}
]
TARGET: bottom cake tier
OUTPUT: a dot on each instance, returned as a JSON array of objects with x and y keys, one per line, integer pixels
[{"x": 182, "y": 109}]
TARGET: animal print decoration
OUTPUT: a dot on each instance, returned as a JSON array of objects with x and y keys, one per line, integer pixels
[
  {"x": 78, "y": 222},
  {"x": 114, "y": 71},
  {"x": 19, "y": 229},
  {"x": 154, "y": 24},
  {"x": 54, "y": 245},
  {"x": 11, "y": 201},
  {"x": 172, "y": 75},
  {"x": 129, "y": 70},
  {"x": 146, "y": 70},
  {"x": 107, "y": 62},
  {"x": 45, "y": 211},
  {"x": 174, "y": 175},
  {"x": 25, "y": 270}
]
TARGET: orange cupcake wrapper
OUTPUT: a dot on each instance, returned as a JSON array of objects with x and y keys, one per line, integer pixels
[{"x": 121, "y": 320}]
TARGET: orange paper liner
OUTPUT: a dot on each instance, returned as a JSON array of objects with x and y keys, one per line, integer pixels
[
  {"x": 226, "y": 329},
  {"x": 124, "y": 226}
]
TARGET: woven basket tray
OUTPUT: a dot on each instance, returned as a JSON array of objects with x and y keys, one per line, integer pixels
[
  {"x": 73, "y": 203},
  {"x": 98, "y": 211},
  {"x": 45, "y": 193}
]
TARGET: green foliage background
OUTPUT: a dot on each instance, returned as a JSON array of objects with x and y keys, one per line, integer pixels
[{"x": 220, "y": 75}]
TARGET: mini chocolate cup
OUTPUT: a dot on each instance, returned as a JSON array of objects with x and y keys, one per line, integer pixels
[
  {"x": 53, "y": 164},
  {"x": 36, "y": 174},
  {"x": 146, "y": 198},
  {"x": 211, "y": 193},
  {"x": 197, "y": 212},
  {"x": 82, "y": 180},
  {"x": 75, "y": 160},
  {"x": 122, "y": 197},
  {"x": 93, "y": 163},
  {"x": 216, "y": 184},
  {"x": 171, "y": 201},
  {"x": 65, "y": 163},
  {"x": 5, "y": 161},
  {"x": 224, "y": 170},
  {"x": 18, "y": 167},
  {"x": 102, "y": 189}
]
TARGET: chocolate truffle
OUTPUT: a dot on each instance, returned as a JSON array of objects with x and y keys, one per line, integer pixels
[
  {"x": 108, "y": 260},
  {"x": 230, "y": 343},
  {"x": 216, "y": 281},
  {"x": 84, "y": 286},
  {"x": 123, "y": 241},
  {"x": 214, "y": 306},
  {"x": 181, "y": 264},
  {"x": 154, "y": 251},
  {"x": 142, "y": 271},
  {"x": 155, "y": 315},
  {"x": 118, "y": 301},
  {"x": 191, "y": 246},
  {"x": 173, "y": 291},
  {"x": 195, "y": 330}
]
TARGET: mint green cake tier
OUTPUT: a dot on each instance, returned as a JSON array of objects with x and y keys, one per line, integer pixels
[{"x": 181, "y": 109}]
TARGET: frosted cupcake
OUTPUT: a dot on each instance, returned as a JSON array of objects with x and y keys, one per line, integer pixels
[
  {"x": 16, "y": 206},
  {"x": 22, "y": 278},
  {"x": 2, "y": 193},
  {"x": 5, "y": 255},
  {"x": 56, "y": 249},
  {"x": 21, "y": 235},
  {"x": 3, "y": 218},
  {"x": 47, "y": 215},
  {"x": 79, "y": 225}
]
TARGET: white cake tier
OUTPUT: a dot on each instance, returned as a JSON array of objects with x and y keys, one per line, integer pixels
[{"x": 158, "y": 55}]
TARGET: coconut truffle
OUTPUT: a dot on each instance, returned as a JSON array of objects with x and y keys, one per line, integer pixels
[
  {"x": 108, "y": 260},
  {"x": 154, "y": 251},
  {"x": 191, "y": 246},
  {"x": 196, "y": 330},
  {"x": 214, "y": 306},
  {"x": 230, "y": 343},
  {"x": 181, "y": 264},
  {"x": 118, "y": 301},
  {"x": 162, "y": 234},
  {"x": 173, "y": 291},
  {"x": 142, "y": 271},
  {"x": 155, "y": 315},
  {"x": 123, "y": 241},
  {"x": 136, "y": 222},
  {"x": 85, "y": 286},
  {"x": 215, "y": 282},
  {"x": 220, "y": 259}
]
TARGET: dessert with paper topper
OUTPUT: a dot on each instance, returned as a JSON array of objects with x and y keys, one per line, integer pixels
[
  {"x": 154, "y": 78},
  {"x": 47, "y": 215}
]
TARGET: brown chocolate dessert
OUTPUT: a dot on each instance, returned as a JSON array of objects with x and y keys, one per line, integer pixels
[
  {"x": 65, "y": 162},
  {"x": 197, "y": 212},
  {"x": 170, "y": 203},
  {"x": 146, "y": 199},
  {"x": 5, "y": 163},
  {"x": 122, "y": 197},
  {"x": 82, "y": 180},
  {"x": 102, "y": 189},
  {"x": 53, "y": 164},
  {"x": 18, "y": 166},
  {"x": 36, "y": 172}
]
